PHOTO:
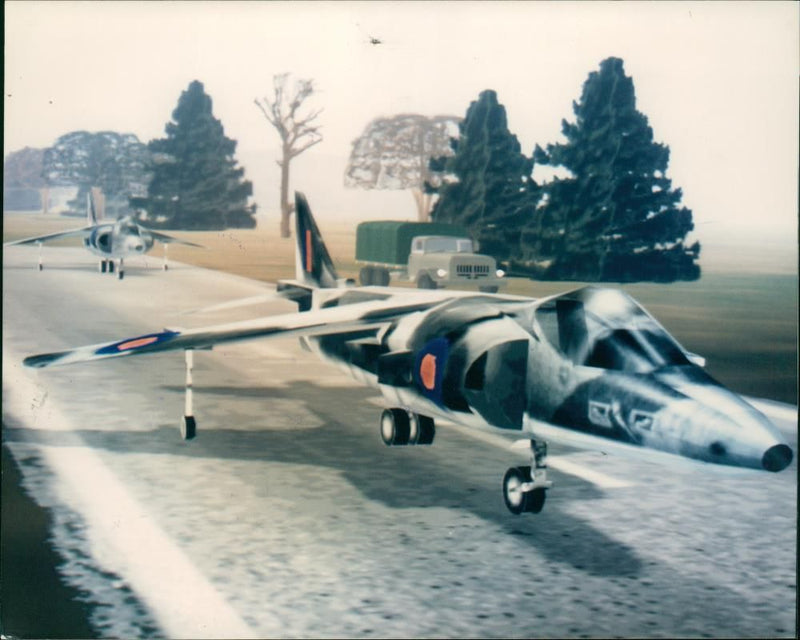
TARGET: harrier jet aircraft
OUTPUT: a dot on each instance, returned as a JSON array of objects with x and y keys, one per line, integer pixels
[
  {"x": 112, "y": 241},
  {"x": 589, "y": 367}
]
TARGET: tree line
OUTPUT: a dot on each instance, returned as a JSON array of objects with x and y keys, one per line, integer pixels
[
  {"x": 188, "y": 179},
  {"x": 609, "y": 214}
]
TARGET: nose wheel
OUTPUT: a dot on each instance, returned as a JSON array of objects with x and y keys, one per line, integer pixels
[{"x": 525, "y": 488}]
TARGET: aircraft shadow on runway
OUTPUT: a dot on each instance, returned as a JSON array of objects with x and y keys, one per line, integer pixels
[{"x": 443, "y": 475}]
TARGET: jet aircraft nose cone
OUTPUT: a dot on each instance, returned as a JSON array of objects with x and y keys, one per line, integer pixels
[{"x": 777, "y": 458}]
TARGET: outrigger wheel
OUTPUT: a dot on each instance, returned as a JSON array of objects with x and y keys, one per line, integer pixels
[
  {"x": 188, "y": 428},
  {"x": 395, "y": 427},
  {"x": 423, "y": 429}
]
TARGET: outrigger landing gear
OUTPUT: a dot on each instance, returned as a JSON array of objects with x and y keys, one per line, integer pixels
[
  {"x": 524, "y": 488},
  {"x": 41, "y": 266},
  {"x": 401, "y": 427},
  {"x": 120, "y": 271},
  {"x": 166, "y": 266},
  {"x": 188, "y": 424}
]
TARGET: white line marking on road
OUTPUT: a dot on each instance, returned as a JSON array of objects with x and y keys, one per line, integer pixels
[{"x": 123, "y": 537}]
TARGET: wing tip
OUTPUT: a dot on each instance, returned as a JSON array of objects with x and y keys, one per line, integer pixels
[{"x": 42, "y": 360}]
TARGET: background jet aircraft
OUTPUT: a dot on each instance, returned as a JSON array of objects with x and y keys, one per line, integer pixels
[
  {"x": 589, "y": 367},
  {"x": 112, "y": 241}
]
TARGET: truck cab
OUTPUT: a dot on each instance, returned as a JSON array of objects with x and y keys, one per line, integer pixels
[
  {"x": 429, "y": 254},
  {"x": 439, "y": 261}
]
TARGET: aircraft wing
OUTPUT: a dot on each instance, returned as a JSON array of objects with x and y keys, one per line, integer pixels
[
  {"x": 82, "y": 232},
  {"x": 163, "y": 237},
  {"x": 335, "y": 320}
]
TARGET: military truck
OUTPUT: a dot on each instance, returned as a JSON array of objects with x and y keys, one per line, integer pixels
[{"x": 430, "y": 254}]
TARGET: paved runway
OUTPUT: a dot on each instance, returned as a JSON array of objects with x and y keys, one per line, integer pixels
[{"x": 288, "y": 517}]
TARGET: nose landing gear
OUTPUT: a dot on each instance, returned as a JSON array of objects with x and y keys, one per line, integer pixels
[{"x": 524, "y": 488}]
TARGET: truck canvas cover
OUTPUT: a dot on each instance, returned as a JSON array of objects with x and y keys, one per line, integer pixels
[{"x": 389, "y": 241}]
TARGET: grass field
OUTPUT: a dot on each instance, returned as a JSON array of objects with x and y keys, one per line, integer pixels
[{"x": 744, "y": 323}]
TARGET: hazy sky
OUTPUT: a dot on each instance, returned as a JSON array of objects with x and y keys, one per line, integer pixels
[{"x": 717, "y": 80}]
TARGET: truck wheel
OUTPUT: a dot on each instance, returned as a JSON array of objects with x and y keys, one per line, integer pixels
[
  {"x": 366, "y": 275},
  {"x": 381, "y": 277},
  {"x": 424, "y": 281}
]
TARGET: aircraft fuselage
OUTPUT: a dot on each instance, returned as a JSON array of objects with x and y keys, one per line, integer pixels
[
  {"x": 121, "y": 239},
  {"x": 591, "y": 362}
]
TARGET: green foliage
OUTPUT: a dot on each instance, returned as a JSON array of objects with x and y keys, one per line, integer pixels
[
  {"x": 196, "y": 183},
  {"x": 22, "y": 179},
  {"x": 490, "y": 190},
  {"x": 23, "y": 169},
  {"x": 115, "y": 162},
  {"x": 616, "y": 217},
  {"x": 21, "y": 199}
]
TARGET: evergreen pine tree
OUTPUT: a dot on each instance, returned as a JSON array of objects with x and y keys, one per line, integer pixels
[
  {"x": 196, "y": 183},
  {"x": 616, "y": 218},
  {"x": 493, "y": 193}
]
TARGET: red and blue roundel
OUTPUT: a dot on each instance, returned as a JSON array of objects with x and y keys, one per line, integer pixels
[
  {"x": 131, "y": 344},
  {"x": 429, "y": 368}
]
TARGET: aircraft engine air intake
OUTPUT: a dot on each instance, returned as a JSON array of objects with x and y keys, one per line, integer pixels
[{"x": 473, "y": 359}]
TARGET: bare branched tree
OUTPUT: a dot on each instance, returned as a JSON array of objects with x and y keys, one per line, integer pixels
[
  {"x": 396, "y": 152},
  {"x": 298, "y": 132}
]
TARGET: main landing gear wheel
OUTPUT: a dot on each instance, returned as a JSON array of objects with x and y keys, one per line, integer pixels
[
  {"x": 188, "y": 428},
  {"x": 395, "y": 427},
  {"x": 110, "y": 266},
  {"x": 423, "y": 429}
]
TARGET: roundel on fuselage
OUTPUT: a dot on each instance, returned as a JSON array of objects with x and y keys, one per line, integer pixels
[
  {"x": 427, "y": 371},
  {"x": 429, "y": 367}
]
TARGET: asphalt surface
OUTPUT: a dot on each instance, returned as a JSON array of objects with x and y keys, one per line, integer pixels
[{"x": 288, "y": 517}]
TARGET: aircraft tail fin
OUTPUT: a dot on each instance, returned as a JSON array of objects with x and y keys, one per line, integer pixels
[
  {"x": 95, "y": 206},
  {"x": 313, "y": 265},
  {"x": 91, "y": 211}
]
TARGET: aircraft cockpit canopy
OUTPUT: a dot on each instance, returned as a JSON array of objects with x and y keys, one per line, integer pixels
[
  {"x": 607, "y": 329},
  {"x": 129, "y": 228}
]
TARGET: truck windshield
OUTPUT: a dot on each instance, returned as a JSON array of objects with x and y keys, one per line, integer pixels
[
  {"x": 444, "y": 244},
  {"x": 605, "y": 328}
]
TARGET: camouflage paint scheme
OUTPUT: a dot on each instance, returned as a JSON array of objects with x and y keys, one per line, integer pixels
[
  {"x": 116, "y": 240},
  {"x": 588, "y": 367}
]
